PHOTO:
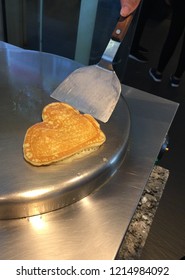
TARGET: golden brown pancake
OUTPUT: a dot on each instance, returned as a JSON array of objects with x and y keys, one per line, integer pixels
[{"x": 63, "y": 133}]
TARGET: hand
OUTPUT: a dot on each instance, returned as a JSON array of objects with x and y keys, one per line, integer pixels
[{"x": 128, "y": 6}]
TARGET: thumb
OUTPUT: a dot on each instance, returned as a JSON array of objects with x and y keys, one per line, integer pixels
[{"x": 125, "y": 11}]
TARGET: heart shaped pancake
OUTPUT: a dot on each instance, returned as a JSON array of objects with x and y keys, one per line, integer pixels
[{"x": 63, "y": 133}]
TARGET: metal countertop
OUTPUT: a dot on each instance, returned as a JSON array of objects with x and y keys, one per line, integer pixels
[{"x": 93, "y": 227}]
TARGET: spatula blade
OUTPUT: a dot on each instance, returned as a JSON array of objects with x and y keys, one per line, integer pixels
[{"x": 92, "y": 90}]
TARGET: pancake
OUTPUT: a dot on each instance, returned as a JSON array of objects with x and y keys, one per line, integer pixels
[{"x": 63, "y": 133}]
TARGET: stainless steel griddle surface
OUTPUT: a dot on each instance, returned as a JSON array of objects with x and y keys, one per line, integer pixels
[
  {"x": 93, "y": 227},
  {"x": 28, "y": 190}
]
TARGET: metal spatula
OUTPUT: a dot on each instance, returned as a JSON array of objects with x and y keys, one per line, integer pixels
[{"x": 96, "y": 89}]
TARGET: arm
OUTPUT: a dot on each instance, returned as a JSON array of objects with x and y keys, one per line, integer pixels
[{"x": 128, "y": 6}]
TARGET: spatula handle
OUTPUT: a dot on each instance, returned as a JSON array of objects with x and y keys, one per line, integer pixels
[{"x": 121, "y": 28}]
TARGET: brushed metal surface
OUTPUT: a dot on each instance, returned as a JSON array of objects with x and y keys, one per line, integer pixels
[
  {"x": 92, "y": 90},
  {"x": 25, "y": 82},
  {"x": 94, "y": 227}
]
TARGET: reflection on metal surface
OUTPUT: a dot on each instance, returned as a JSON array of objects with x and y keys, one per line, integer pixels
[
  {"x": 37, "y": 222},
  {"x": 86, "y": 201},
  {"x": 110, "y": 51},
  {"x": 35, "y": 193}
]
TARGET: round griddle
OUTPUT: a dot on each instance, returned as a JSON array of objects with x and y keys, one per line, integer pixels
[{"x": 26, "y": 84}]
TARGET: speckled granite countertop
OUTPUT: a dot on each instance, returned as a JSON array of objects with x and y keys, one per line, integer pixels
[{"x": 139, "y": 227}]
